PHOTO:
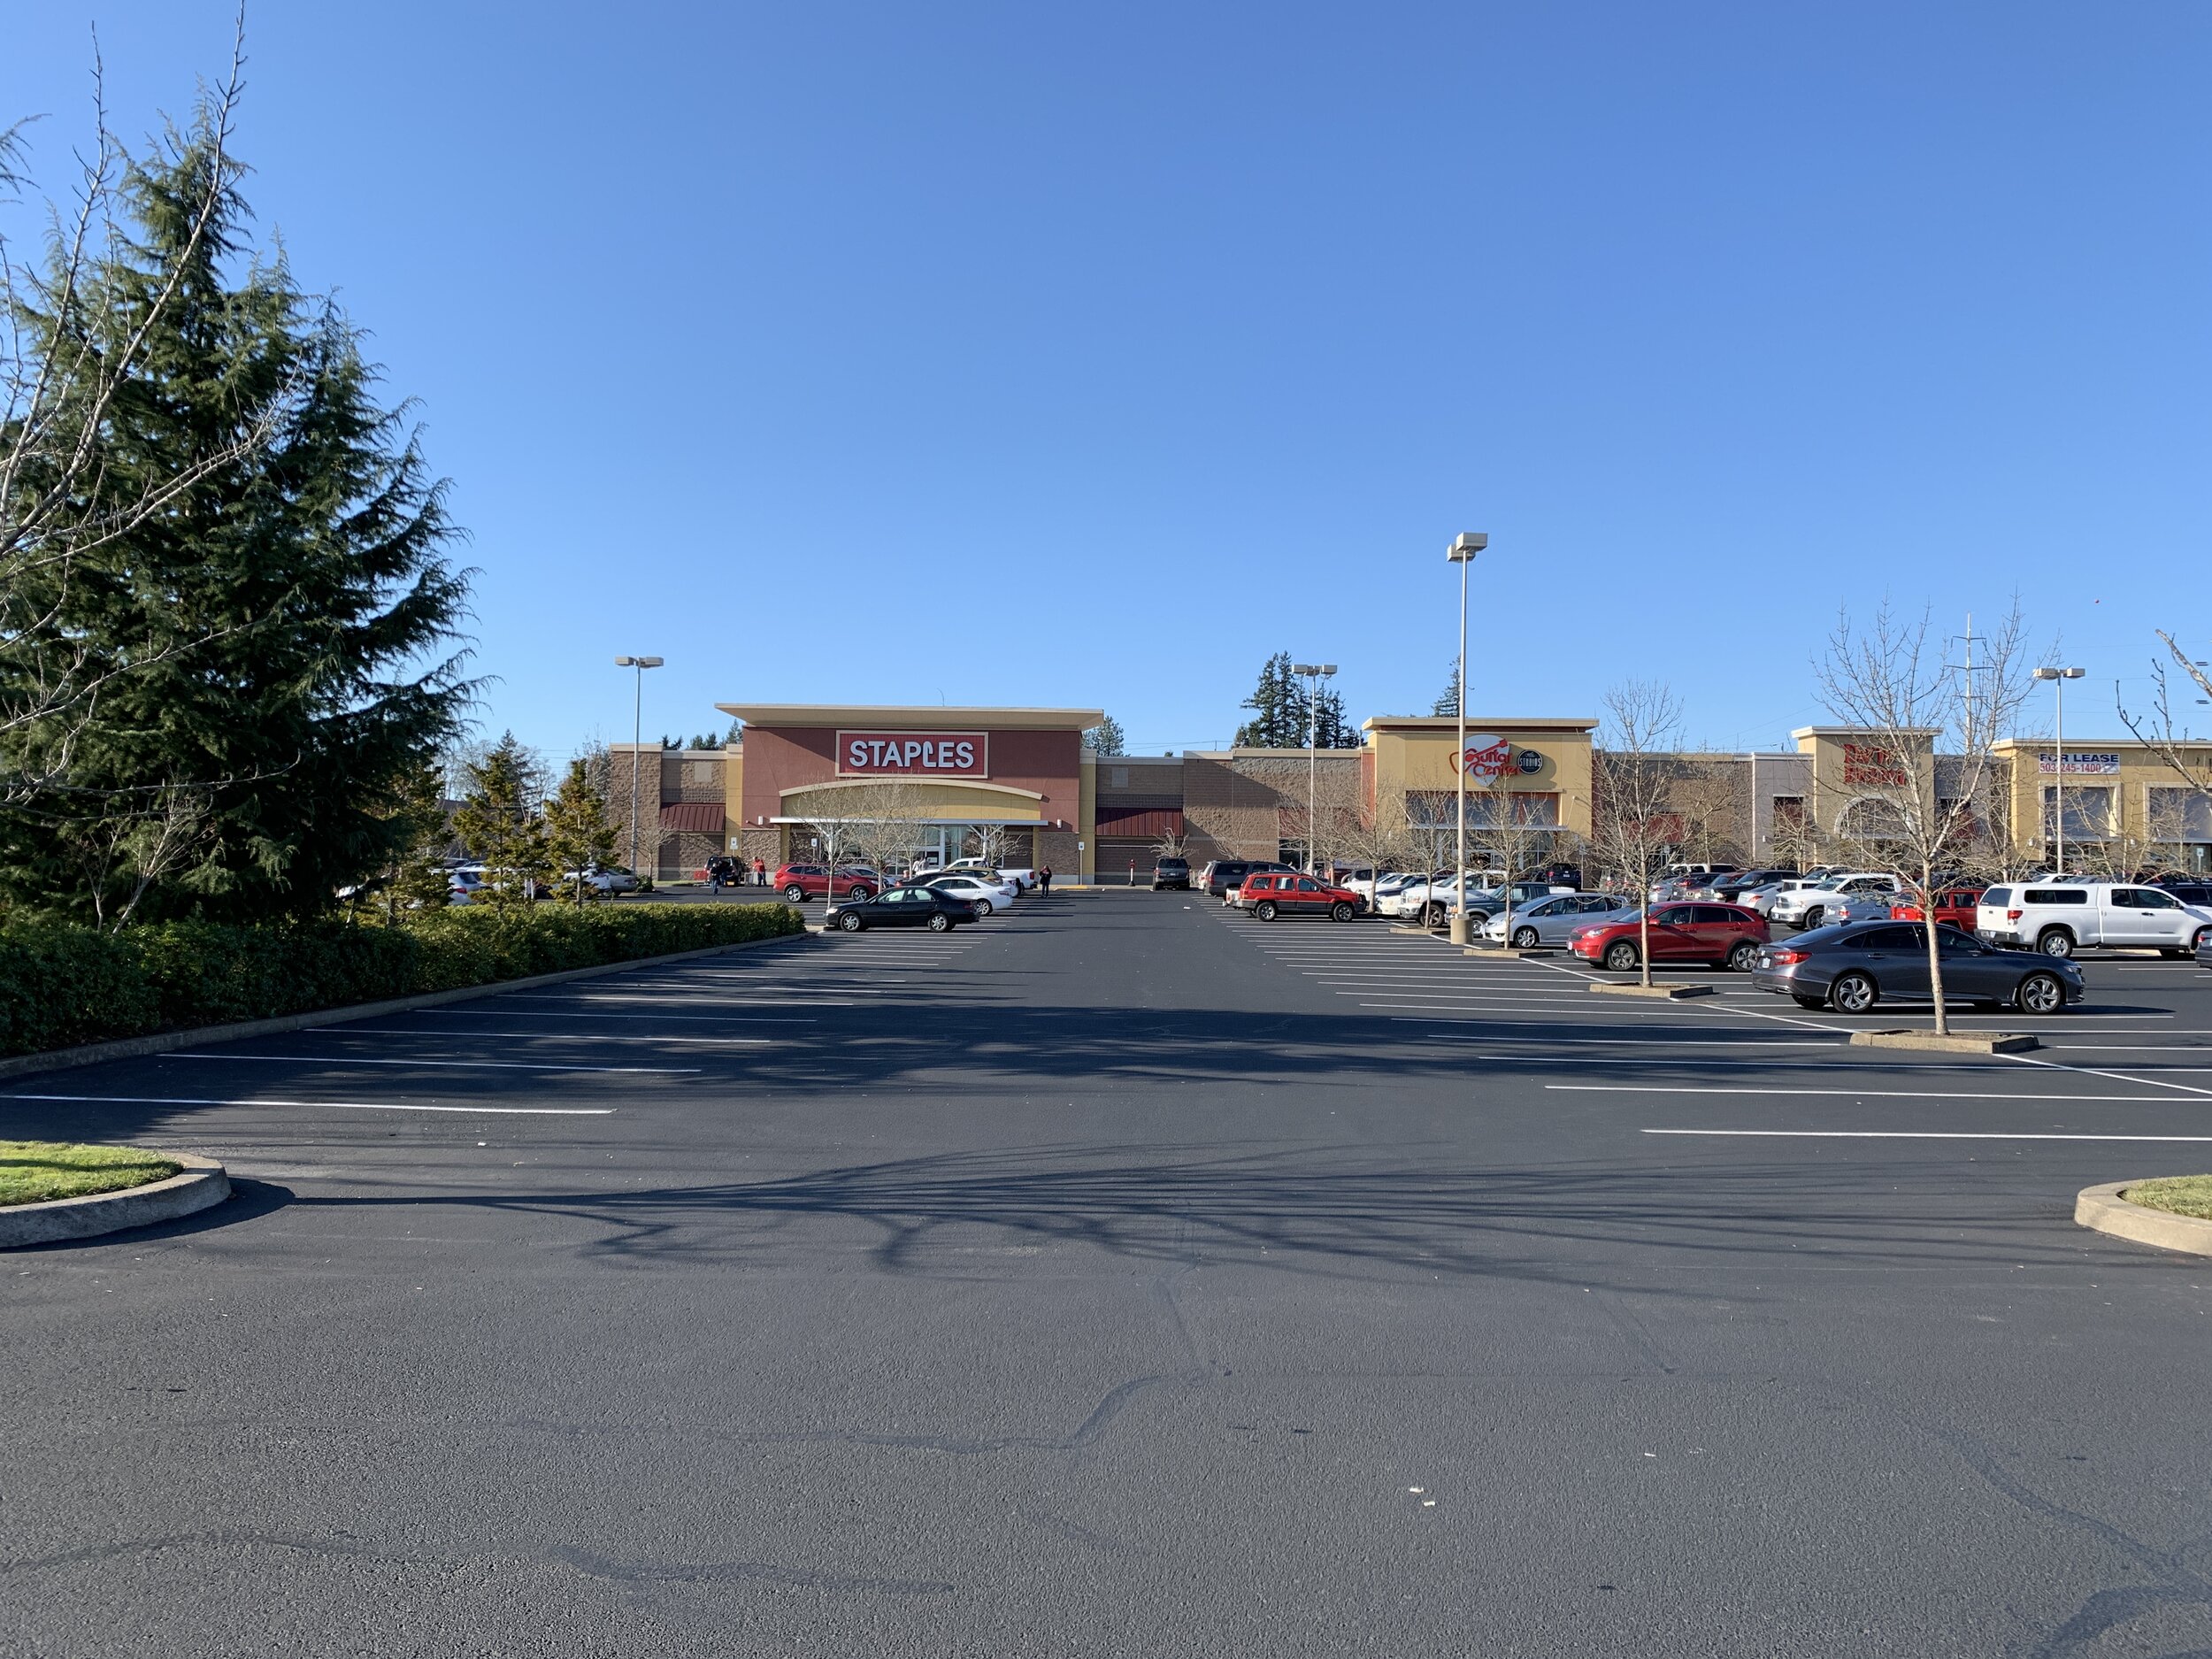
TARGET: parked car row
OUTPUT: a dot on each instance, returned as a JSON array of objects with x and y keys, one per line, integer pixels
[{"x": 939, "y": 900}]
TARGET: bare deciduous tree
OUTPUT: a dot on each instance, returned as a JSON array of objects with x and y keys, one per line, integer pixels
[
  {"x": 59, "y": 383},
  {"x": 2167, "y": 737},
  {"x": 1891, "y": 680},
  {"x": 1632, "y": 826}
]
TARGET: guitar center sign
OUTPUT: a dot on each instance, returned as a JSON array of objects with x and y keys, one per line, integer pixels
[
  {"x": 913, "y": 755},
  {"x": 1487, "y": 759},
  {"x": 1872, "y": 767}
]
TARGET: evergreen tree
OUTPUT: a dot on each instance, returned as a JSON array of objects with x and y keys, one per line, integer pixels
[
  {"x": 578, "y": 834},
  {"x": 499, "y": 822},
  {"x": 1278, "y": 709},
  {"x": 1105, "y": 738},
  {"x": 1331, "y": 729},
  {"x": 281, "y": 637},
  {"x": 1448, "y": 700},
  {"x": 421, "y": 880}
]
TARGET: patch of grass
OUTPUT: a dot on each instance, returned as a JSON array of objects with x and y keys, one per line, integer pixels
[
  {"x": 2184, "y": 1195},
  {"x": 33, "y": 1171}
]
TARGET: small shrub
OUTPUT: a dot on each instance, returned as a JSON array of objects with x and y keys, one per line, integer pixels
[{"x": 62, "y": 985}]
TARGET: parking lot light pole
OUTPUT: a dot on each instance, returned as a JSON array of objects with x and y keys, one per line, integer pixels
[
  {"x": 1462, "y": 553},
  {"x": 2058, "y": 677},
  {"x": 637, "y": 743},
  {"x": 1315, "y": 673}
]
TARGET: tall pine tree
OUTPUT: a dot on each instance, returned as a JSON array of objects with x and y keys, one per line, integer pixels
[
  {"x": 283, "y": 638},
  {"x": 1278, "y": 709}
]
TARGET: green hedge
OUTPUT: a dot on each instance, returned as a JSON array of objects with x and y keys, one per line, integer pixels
[{"x": 61, "y": 985}]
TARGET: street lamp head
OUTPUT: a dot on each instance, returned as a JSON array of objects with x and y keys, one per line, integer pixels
[
  {"x": 1469, "y": 543},
  {"x": 2060, "y": 673},
  {"x": 2073, "y": 673},
  {"x": 1305, "y": 668},
  {"x": 1328, "y": 669},
  {"x": 631, "y": 662}
]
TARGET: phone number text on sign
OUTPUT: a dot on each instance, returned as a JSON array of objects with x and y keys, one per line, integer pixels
[{"x": 913, "y": 754}]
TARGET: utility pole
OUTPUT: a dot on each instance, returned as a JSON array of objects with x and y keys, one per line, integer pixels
[
  {"x": 1462, "y": 553},
  {"x": 1315, "y": 673},
  {"x": 2058, "y": 677},
  {"x": 637, "y": 745}
]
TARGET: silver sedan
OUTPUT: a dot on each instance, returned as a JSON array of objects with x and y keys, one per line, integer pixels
[{"x": 1548, "y": 921}]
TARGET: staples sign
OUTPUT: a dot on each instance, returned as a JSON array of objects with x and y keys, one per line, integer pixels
[{"x": 913, "y": 755}]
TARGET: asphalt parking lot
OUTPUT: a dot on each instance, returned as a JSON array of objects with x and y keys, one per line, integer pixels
[{"x": 1124, "y": 1276}]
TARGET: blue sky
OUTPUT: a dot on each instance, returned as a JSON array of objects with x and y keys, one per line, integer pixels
[{"x": 1082, "y": 356}]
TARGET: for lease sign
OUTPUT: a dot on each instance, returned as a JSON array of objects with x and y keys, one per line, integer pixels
[{"x": 913, "y": 754}]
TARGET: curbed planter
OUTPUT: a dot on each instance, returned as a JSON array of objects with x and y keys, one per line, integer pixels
[
  {"x": 1509, "y": 953},
  {"x": 1947, "y": 1042},
  {"x": 199, "y": 1185},
  {"x": 2107, "y": 1210},
  {"x": 199, "y": 1036},
  {"x": 1665, "y": 993}
]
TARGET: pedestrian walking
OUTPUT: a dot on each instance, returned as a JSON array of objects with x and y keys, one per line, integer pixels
[
  {"x": 1044, "y": 879},
  {"x": 714, "y": 876},
  {"x": 760, "y": 871}
]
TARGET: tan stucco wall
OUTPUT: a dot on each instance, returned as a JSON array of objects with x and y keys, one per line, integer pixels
[{"x": 1417, "y": 754}]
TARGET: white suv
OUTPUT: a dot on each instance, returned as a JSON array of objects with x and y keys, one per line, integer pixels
[
  {"x": 2059, "y": 919},
  {"x": 1805, "y": 906}
]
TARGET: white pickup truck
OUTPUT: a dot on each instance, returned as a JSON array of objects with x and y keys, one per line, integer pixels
[
  {"x": 2060, "y": 918},
  {"x": 1023, "y": 880}
]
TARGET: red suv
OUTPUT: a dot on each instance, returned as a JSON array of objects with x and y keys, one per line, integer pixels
[
  {"x": 1271, "y": 894},
  {"x": 1956, "y": 907},
  {"x": 801, "y": 882},
  {"x": 1717, "y": 933}
]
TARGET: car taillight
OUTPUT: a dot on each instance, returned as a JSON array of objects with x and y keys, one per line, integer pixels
[
  {"x": 1783, "y": 958},
  {"x": 2012, "y": 915}
]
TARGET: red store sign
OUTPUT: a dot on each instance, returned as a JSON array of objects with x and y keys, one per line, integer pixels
[
  {"x": 913, "y": 755},
  {"x": 1871, "y": 767}
]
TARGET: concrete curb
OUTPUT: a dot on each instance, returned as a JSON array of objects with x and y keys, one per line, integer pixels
[
  {"x": 199, "y": 1185},
  {"x": 1508, "y": 953},
  {"x": 1947, "y": 1042},
  {"x": 2107, "y": 1210},
  {"x": 1665, "y": 992},
  {"x": 162, "y": 1042}
]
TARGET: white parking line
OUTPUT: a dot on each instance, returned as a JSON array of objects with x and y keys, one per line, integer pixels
[
  {"x": 1662, "y": 1042},
  {"x": 796, "y": 998},
  {"x": 432, "y": 1064},
  {"x": 335, "y": 1105},
  {"x": 1869, "y": 1093},
  {"x": 689, "y": 1019},
  {"x": 537, "y": 1036},
  {"x": 1917, "y": 1134}
]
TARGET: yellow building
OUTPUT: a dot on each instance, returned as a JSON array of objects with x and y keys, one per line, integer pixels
[
  {"x": 1531, "y": 773},
  {"x": 2125, "y": 808}
]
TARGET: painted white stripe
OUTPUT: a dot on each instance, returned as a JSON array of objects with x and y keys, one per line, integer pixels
[
  {"x": 795, "y": 1000},
  {"x": 449, "y": 1034},
  {"x": 2130, "y": 1048},
  {"x": 1919, "y": 1134},
  {"x": 335, "y": 1105},
  {"x": 689, "y": 1019},
  {"x": 1873, "y": 1094},
  {"x": 1662, "y": 1042},
  {"x": 432, "y": 1064}
]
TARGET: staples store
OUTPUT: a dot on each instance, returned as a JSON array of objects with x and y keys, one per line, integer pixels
[{"x": 1012, "y": 779}]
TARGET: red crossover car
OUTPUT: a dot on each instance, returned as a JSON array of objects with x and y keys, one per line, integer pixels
[
  {"x": 1719, "y": 934},
  {"x": 801, "y": 882},
  {"x": 1956, "y": 907},
  {"x": 1270, "y": 895}
]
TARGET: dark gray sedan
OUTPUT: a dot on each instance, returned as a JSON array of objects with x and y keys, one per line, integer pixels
[{"x": 1852, "y": 966}]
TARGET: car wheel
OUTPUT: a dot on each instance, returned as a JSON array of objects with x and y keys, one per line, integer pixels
[
  {"x": 1525, "y": 939},
  {"x": 1809, "y": 1002},
  {"x": 1264, "y": 911},
  {"x": 1744, "y": 956},
  {"x": 1620, "y": 955},
  {"x": 794, "y": 893},
  {"x": 1852, "y": 994},
  {"x": 940, "y": 923},
  {"x": 983, "y": 907},
  {"x": 2054, "y": 942},
  {"x": 858, "y": 892},
  {"x": 850, "y": 922},
  {"x": 1339, "y": 911},
  {"x": 2041, "y": 994},
  {"x": 1810, "y": 919}
]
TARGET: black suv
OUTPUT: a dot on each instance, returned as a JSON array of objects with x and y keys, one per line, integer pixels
[
  {"x": 1224, "y": 874},
  {"x": 1171, "y": 872}
]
